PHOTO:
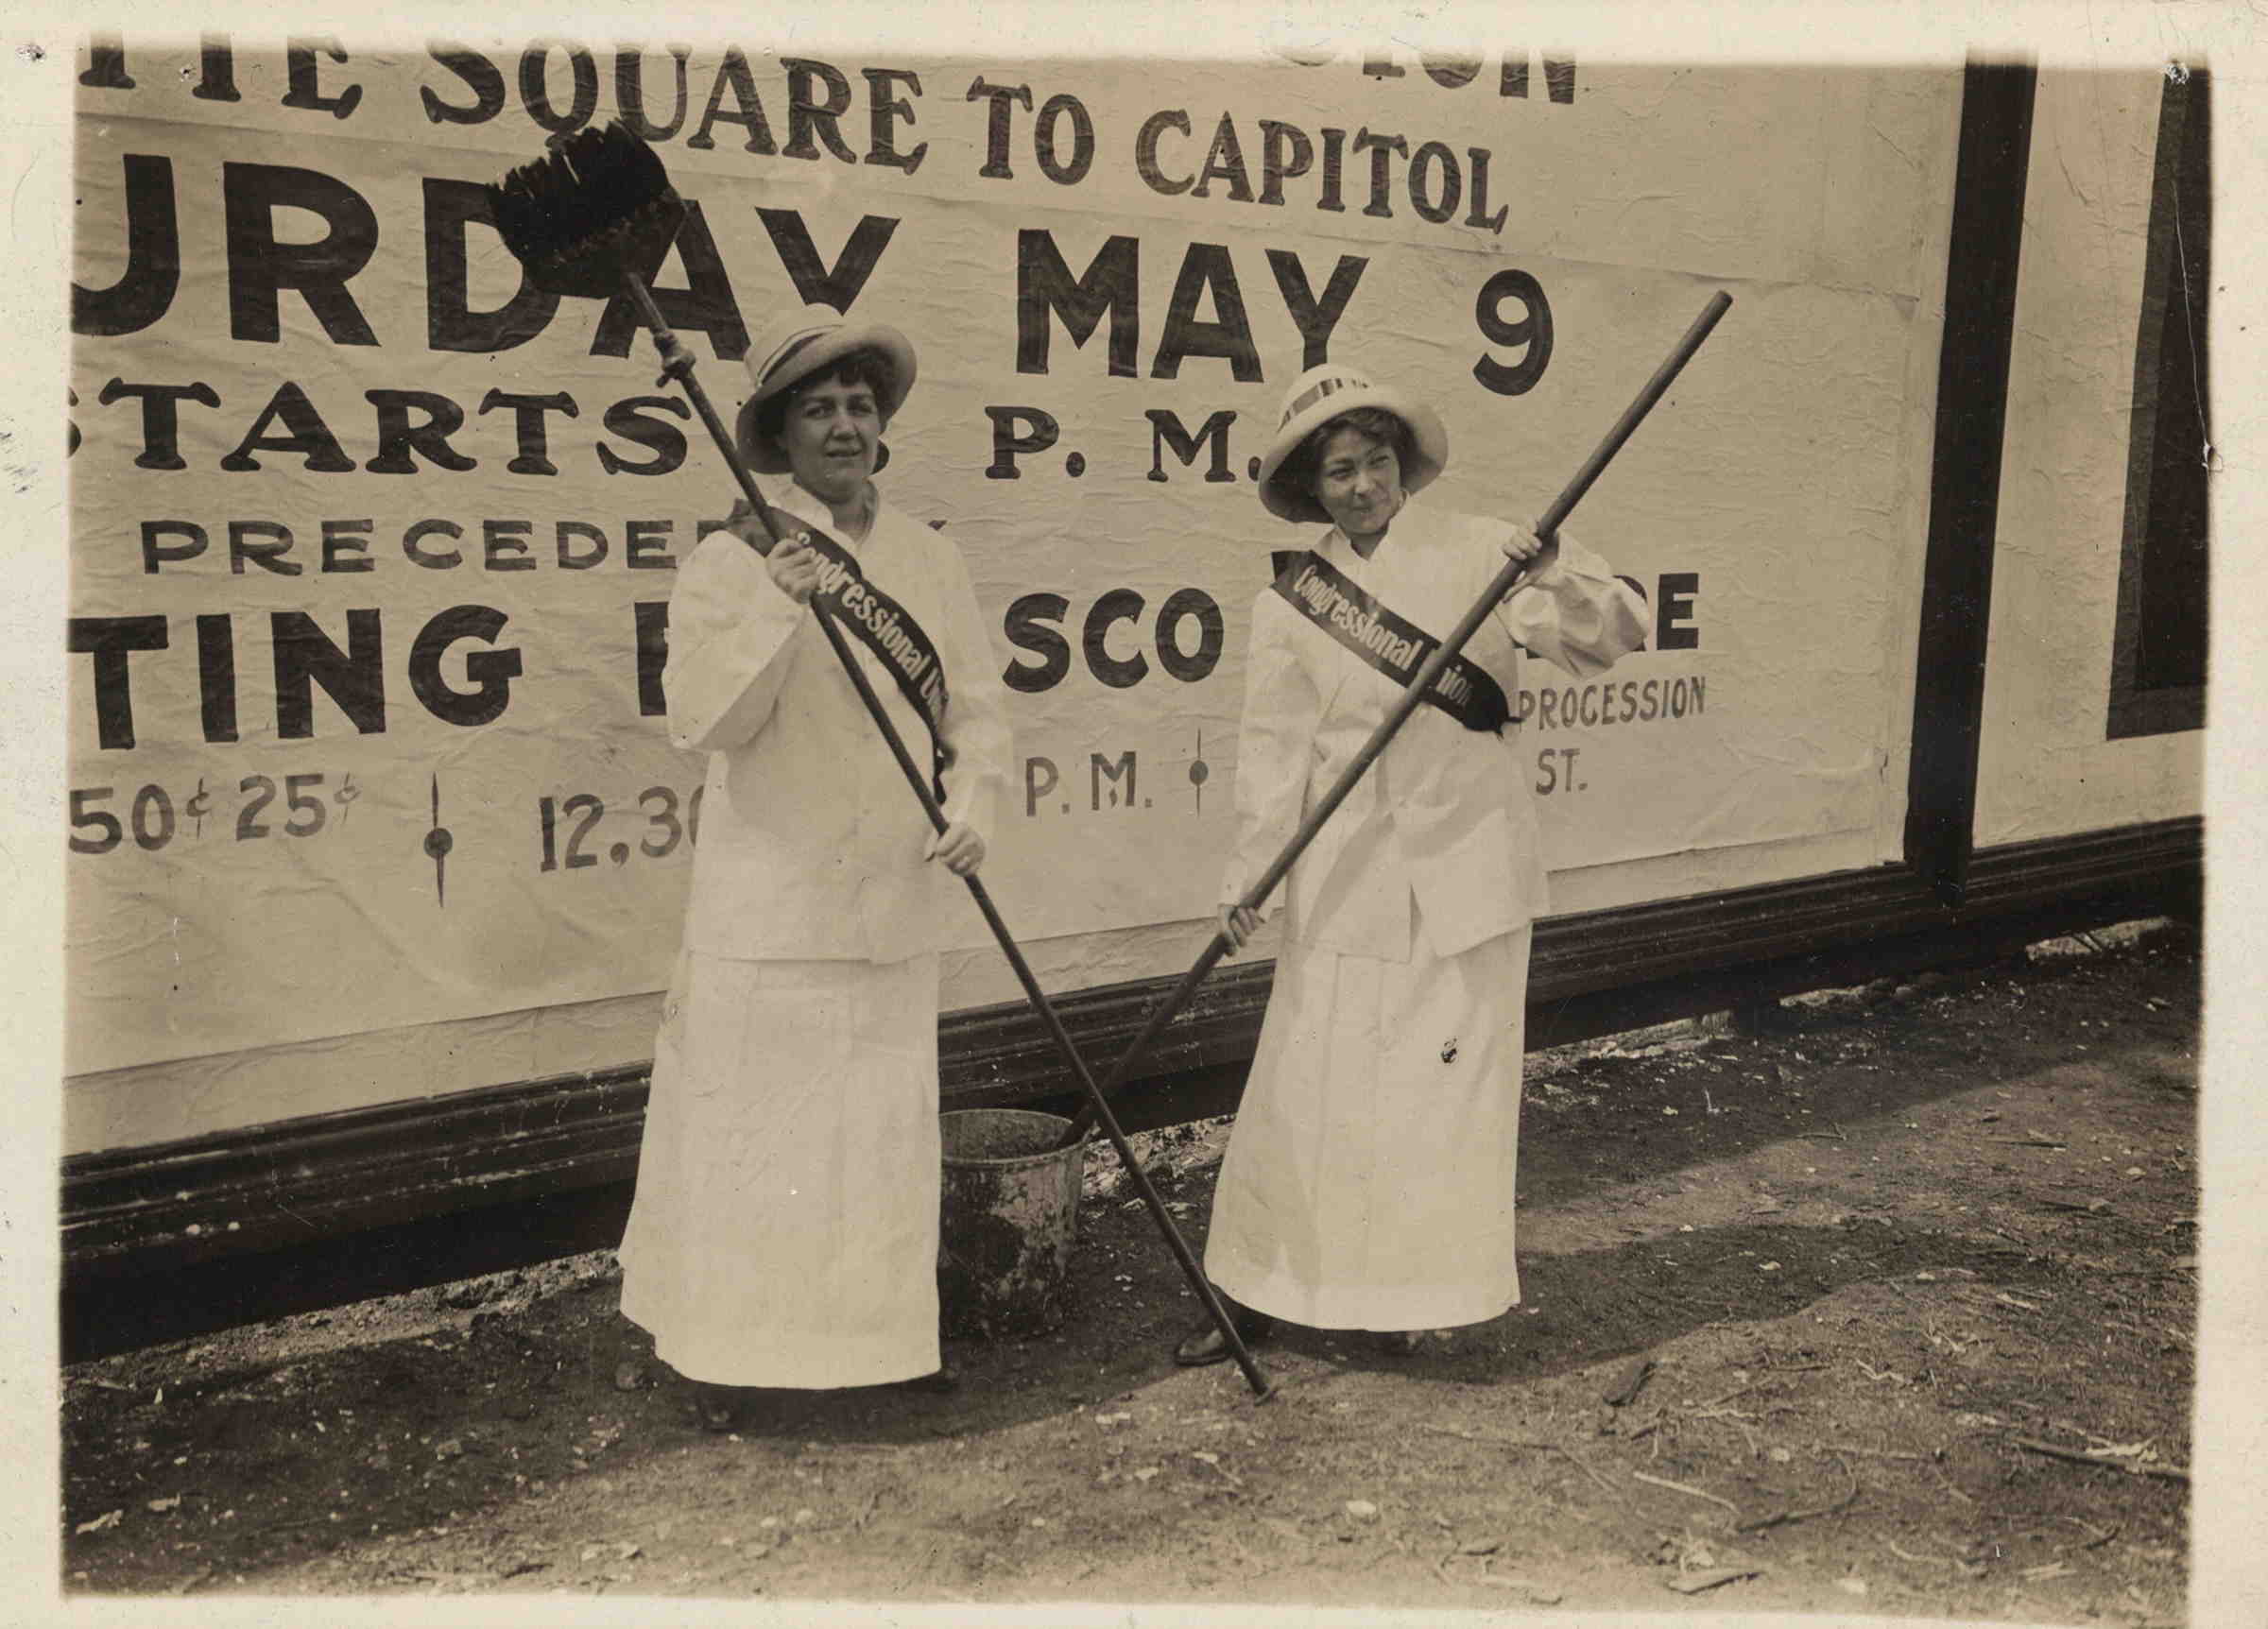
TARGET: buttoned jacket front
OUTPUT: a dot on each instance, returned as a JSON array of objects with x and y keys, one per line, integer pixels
[
  {"x": 1444, "y": 816},
  {"x": 810, "y": 843}
]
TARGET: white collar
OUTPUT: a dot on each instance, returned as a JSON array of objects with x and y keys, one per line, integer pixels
[
  {"x": 813, "y": 512},
  {"x": 1337, "y": 539}
]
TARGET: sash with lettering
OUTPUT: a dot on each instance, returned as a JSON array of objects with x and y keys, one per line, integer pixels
[
  {"x": 878, "y": 622},
  {"x": 1397, "y": 648}
]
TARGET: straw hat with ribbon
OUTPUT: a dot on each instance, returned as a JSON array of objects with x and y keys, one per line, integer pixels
[
  {"x": 801, "y": 344},
  {"x": 1320, "y": 395}
]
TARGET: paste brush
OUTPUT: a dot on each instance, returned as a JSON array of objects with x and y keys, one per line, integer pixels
[
  {"x": 596, "y": 218},
  {"x": 599, "y": 207}
]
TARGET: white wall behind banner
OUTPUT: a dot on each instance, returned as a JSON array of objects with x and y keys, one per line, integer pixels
[
  {"x": 371, "y": 545},
  {"x": 2047, "y": 763}
]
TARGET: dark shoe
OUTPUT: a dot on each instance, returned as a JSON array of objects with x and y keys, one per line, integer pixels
[
  {"x": 1206, "y": 1343},
  {"x": 1398, "y": 1342},
  {"x": 718, "y": 1407},
  {"x": 943, "y": 1383}
]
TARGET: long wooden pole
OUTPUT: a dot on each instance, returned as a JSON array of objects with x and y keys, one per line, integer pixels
[
  {"x": 677, "y": 363},
  {"x": 1505, "y": 581}
]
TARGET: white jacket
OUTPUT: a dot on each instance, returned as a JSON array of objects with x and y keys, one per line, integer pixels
[
  {"x": 810, "y": 841},
  {"x": 1444, "y": 816}
]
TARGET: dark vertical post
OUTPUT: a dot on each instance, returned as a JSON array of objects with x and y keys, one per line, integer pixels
[
  {"x": 1964, "y": 476},
  {"x": 2157, "y": 661}
]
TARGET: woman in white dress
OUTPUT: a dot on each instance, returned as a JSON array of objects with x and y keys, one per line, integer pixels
[
  {"x": 785, "y": 1228},
  {"x": 1368, "y": 1183}
]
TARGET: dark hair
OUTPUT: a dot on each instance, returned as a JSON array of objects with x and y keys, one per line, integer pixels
[
  {"x": 1296, "y": 474},
  {"x": 866, "y": 366}
]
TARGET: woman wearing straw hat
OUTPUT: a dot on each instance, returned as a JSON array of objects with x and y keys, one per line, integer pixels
[
  {"x": 1369, "y": 1183},
  {"x": 784, "y": 1230}
]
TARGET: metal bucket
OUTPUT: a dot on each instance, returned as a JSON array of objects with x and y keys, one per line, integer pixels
[{"x": 1010, "y": 1222}]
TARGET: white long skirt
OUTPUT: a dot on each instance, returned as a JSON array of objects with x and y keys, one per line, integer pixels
[
  {"x": 784, "y": 1230},
  {"x": 1369, "y": 1181}
]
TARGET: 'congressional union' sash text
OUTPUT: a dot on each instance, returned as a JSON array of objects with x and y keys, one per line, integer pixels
[
  {"x": 878, "y": 622},
  {"x": 1390, "y": 644}
]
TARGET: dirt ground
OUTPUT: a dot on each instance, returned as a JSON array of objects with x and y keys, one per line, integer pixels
[{"x": 1914, "y": 1268}]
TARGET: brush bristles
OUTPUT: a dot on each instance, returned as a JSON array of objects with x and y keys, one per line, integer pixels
[{"x": 599, "y": 206}]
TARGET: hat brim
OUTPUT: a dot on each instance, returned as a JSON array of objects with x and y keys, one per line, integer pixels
[
  {"x": 770, "y": 458},
  {"x": 1429, "y": 449}
]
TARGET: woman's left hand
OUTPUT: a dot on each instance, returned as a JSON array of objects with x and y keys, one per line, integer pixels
[
  {"x": 1524, "y": 544},
  {"x": 959, "y": 846}
]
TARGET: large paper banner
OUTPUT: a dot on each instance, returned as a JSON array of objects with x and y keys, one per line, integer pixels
[{"x": 374, "y": 544}]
